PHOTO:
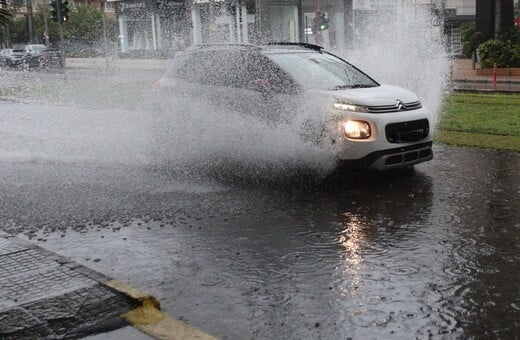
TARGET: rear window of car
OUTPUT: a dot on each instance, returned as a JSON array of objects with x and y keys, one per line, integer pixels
[{"x": 314, "y": 70}]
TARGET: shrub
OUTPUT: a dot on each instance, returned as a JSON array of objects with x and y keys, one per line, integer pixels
[
  {"x": 503, "y": 50},
  {"x": 469, "y": 38}
]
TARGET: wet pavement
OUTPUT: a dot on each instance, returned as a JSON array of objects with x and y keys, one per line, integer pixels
[
  {"x": 46, "y": 296},
  {"x": 429, "y": 253}
]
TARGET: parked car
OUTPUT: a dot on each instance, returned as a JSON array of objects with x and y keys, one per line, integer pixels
[
  {"x": 35, "y": 49},
  {"x": 43, "y": 58},
  {"x": 370, "y": 125},
  {"x": 11, "y": 57}
]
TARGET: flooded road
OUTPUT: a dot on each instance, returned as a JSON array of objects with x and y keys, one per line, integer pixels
[{"x": 429, "y": 253}]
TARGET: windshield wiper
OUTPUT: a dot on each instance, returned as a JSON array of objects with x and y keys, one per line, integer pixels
[{"x": 353, "y": 86}]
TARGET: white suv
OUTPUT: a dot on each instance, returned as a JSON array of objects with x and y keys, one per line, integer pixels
[{"x": 369, "y": 125}]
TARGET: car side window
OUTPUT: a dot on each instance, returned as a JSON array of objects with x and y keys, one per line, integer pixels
[
  {"x": 191, "y": 67},
  {"x": 231, "y": 68},
  {"x": 226, "y": 69},
  {"x": 263, "y": 72}
]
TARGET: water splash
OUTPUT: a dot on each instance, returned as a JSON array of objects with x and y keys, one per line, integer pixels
[
  {"x": 198, "y": 135},
  {"x": 402, "y": 46},
  {"x": 407, "y": 52}
]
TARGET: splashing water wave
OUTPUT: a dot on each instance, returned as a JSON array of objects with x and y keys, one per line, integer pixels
[{"x": 192, "y": 136}]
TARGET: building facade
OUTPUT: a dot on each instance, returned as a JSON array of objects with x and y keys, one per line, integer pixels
[{"x": 175, "y": 24}]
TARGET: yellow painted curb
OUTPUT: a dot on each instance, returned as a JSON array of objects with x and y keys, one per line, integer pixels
[{"x": 149, "y": 318}]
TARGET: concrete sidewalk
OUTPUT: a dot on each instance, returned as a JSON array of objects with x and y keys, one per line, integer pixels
[
  {"x": 117, "y": 63},
  {"x": 463, "y": 77},
  {"x": 462, "y": 70},
  {"x": 47, "y": 296},
  {"x": 43, "y": 295}
]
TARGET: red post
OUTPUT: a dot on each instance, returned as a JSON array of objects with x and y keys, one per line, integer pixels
[{"x": 495, "y": 76}]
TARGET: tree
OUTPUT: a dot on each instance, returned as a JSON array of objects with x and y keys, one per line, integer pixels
[
  {"x": 5, "y": 15},
  {"x": 84, "y": 27},
  {"x": 18, "y": 30},
  {"x": 469, "y": 38}
]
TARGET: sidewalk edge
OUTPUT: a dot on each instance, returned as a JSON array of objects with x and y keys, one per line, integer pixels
[{"x": 149, "y": 318}]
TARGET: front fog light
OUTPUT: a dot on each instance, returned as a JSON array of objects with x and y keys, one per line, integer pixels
[{"x": 357, "y": 129}]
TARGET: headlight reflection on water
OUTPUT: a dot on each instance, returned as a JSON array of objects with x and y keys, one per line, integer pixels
[{"x": 352, "y": 238}]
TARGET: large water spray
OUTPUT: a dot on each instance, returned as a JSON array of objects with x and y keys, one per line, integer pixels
[{"x": 402, "y": 46}]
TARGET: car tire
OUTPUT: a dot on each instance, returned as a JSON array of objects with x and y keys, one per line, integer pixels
[{"x": 25, "y": 66}]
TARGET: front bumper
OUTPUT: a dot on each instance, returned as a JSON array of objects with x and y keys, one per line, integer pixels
[
  {"x": 392, "y": 158},
  {"x": 381, "y": 125},
  {"x": 398, "y": 139}
]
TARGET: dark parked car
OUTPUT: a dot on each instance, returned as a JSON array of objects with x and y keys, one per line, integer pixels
[
  {"x": 47, "y": 58},
  {"x": 11, "y": 57}
]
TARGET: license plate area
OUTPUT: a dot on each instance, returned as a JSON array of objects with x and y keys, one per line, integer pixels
[{"x": 406, "y": 132}]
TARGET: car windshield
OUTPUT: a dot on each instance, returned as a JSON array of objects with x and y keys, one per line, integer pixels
[
  {"x": 314, "y": 70},
  {"x": 37, "y": 48}
]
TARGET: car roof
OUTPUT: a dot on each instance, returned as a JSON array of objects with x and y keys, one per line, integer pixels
[{"x": 273, "y": 46}]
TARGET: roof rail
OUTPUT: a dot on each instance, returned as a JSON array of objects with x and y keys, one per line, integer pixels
[
  {"x": 306, "y": 45},
  {"x": 223, "y": 45}
]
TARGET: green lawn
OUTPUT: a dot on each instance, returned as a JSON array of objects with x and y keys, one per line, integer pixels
[{"x": 481, "y": 120}]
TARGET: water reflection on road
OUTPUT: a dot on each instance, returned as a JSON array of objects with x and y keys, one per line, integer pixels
[{"x": 431, "y": 253}]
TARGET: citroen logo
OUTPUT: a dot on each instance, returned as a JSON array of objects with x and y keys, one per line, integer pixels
[{"x": 399, "y": 105}]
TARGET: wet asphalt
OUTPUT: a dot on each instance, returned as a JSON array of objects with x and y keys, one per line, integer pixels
[
  {"x": 427, "y": 253},
  {"x": 434, "y": 252}
]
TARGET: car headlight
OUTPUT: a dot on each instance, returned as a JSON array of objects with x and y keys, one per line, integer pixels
[
  {"x": 350, "y": 107},
  {"x": 357, "y": 129}
]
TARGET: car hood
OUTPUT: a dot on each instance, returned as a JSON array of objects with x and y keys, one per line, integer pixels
[{"x": 374, "y": 96}]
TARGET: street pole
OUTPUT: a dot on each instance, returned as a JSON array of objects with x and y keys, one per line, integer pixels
[
  {"x": 30, "y": 21},
  {"x": 46, "y": 26},
  {"x": 104, "y": 20},
  {"x": 60, "y": 23}
]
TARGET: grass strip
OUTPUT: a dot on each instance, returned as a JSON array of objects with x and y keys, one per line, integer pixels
[
  {"x": 478, "y": 140},
  {"x": 481, "y": 120}
]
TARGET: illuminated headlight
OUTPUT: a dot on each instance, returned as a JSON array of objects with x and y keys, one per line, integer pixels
[
  {"x": 350, "y": 107},
  {"x": 357, "y": 129}
]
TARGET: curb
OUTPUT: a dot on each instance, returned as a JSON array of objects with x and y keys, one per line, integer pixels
[
  {"x": 486, "y": 81},
  {"x": 149, "y": 319},
  {"x": 46, "y": 295}
]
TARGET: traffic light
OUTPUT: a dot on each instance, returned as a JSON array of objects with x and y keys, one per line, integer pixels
[
  {"x": 323, "y": 22},
  {"x": 64, "y": 11},
  {"x": 54, "y": 10},
  {"x": 320, "y": 22}
]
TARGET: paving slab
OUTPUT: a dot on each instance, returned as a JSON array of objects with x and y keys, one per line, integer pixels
[{"x": 44, "y": 295}]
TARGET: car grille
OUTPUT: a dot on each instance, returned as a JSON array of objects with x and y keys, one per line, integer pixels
[
  {"x": 406, "y": 132},
  {"x": 398, "y": 106}
]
